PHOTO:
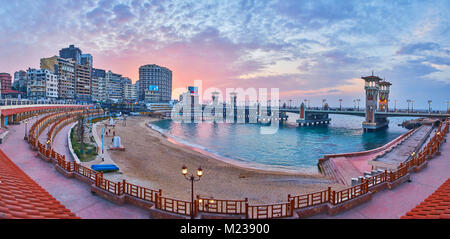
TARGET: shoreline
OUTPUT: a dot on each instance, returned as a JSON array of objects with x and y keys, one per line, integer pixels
[
  {"x": 244, "y": 165},
  {"x": 152, "y": 160}
]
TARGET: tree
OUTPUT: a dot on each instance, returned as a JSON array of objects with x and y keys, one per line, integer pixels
[{"x": 81, "y": 131}]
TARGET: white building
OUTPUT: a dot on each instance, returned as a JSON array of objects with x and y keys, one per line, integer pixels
[
  {"x": 41, "y": 84},
  {"x": 98, "y": 89},
  {"x": 130, "y": 92},
  {"x": 113, "y": 86}
]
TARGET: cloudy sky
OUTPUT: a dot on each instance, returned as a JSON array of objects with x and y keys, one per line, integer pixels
[{"x": 308, "y": 49}]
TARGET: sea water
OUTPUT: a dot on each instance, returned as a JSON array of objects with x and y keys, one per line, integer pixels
[{"x": 291, "y": 148}]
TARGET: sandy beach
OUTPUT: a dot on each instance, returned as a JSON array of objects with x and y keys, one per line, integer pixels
[{"x": 151, "y": 160}]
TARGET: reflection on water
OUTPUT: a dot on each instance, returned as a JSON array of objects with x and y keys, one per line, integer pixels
[{"x": 294, "y": 147}]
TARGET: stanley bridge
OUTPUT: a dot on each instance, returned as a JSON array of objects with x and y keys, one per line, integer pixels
[{"x": 376, "y": 111}]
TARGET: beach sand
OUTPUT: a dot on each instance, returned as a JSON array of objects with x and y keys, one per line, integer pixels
[{"x": 151, "y": 160}]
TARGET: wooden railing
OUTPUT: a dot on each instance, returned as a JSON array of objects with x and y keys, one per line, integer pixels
[
  {"x": 108, "y": 185},
  {"x": 347, "y": 194},
  {"x": 173, "y": 205},
  {"x": 278, "y": 210},
  {"x": 140, "y": 192},
  {"x": 86, "y": 172},
  {"x": 211, "y": 205},
  {"x": 377, "y": 179},
  {"x": 310, "y": 199}
]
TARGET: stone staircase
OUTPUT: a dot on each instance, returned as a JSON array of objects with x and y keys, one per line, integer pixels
[{"x": 329, "y": 170}]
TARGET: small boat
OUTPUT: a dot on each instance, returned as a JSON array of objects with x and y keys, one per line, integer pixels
[{"x": 104, "y": 167}]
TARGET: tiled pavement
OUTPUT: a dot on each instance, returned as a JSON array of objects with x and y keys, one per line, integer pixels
[{"x": 72, "y": 193}]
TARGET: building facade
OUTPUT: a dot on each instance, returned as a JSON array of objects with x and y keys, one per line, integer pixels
[
  {"x": 130, "y": 92},
  {"x": 65, "y": 71},
  {"x": 5, "y": 83},
  {"x": 113, "y": 84},
  {"x": 41, "y": 84},
  {"x": 155, "y": 84},
  {"x": 71, "y": 52},
  {"x": 86, "y": 59},
  {"x": 82, "y": 82},
  {"x": 66, "y": 78},
  {"x": 20, "y": 82},
  {"x": 98, "y": 89}
]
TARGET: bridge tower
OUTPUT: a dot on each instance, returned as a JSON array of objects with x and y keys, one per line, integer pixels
[
  {"x": 384, "y": 96},
  {"x": 372, "y": 88}
]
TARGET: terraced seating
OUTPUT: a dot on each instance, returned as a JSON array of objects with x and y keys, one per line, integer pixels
[
  {"x": 436, "y": 206},
  {"x": 22, "y": 198}
]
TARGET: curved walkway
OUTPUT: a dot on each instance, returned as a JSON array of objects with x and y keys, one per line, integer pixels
[
  {"x": 396, "y": 202},
  {"x": 74, "y": 194}
]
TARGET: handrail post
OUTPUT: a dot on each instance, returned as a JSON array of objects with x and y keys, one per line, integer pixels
[
  {"x": 157, "y": 201},
  {"x": 123, "y": 186},
  {"x": 329, "y": 194},
  {"x": 292, "y": 208},
  {"x": 246, "y": 210}
]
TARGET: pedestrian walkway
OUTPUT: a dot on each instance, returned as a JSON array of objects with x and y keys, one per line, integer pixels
[
  {"x": 396, "y": 202},
  {"x": 72, "y": 193}
]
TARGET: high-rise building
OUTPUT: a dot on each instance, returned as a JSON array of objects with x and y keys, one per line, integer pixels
[
  {"x": 98, "y": 89},
  {"x": 98, "y": 73},
  {"x": 86, "y": 59},
  {"x": 65, "y": 70},
  {"x": 50, "y": 63},
  {"x": 82, "y": 82},
  {"x": 5, "y": 83},
  {"x": 155, "y": 84},
  {"x": 71, "y": 52},
  {"x": 41, "y": 83},
  {"x": 20, "y": 82},
  {"x": 83, "y": 68},
  {"x": 130, "y": 92},
  {"x": 113, "y": 86},
  {"x": 98, "y": 85},
  {"x": 66, "y": 78}
]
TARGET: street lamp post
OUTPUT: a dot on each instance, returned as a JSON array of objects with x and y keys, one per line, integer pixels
[
  {"x": 26, "y": 134},
  {"x": 184, "y": 171}
]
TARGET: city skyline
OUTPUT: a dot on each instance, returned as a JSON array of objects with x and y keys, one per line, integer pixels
[{"x": 310, "y": 50}]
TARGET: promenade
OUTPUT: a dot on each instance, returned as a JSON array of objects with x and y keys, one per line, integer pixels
[
  {"x": 396, "y": 202},
  {"x": 72, "y": 193},
  {"x": 344, "y": 167}
]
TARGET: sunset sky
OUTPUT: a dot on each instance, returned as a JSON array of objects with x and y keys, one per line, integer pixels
[{"x": 308, "y": 49}]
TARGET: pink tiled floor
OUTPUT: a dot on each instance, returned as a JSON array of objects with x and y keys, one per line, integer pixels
[{"x": 72, "y": 193}]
